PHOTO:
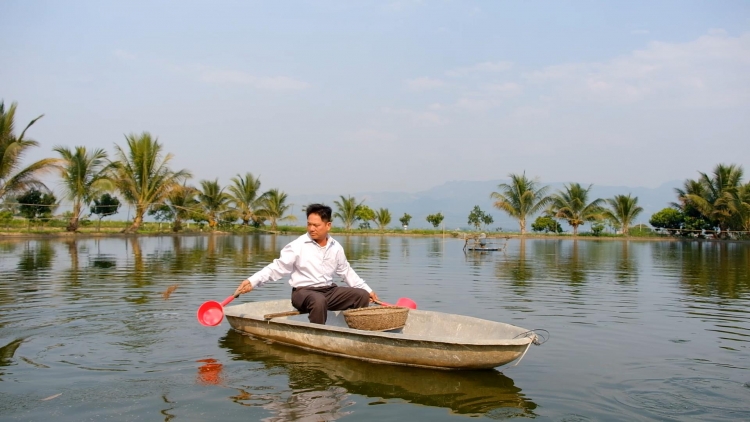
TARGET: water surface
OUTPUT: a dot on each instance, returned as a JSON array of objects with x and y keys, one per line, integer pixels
[{"x": 638, "y": 331}]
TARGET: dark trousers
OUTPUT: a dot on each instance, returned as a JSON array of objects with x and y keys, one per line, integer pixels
[{"x": 317, "y": 301}]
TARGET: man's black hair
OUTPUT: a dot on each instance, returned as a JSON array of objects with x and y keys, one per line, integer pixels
[{"x": 323, "y": 211}]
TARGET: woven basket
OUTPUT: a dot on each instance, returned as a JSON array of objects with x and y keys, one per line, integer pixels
[{"x": 376, "y": 318}]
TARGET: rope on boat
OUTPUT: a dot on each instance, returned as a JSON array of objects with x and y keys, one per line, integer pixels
[
  {"x": 535, "y": 335},
  {"x": 534, "y": 339}
]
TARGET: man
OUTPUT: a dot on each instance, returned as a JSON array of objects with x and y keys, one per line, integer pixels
[{"x": 312, "y": 260}]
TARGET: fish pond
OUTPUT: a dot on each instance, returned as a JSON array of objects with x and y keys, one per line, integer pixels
[{"x": 105, "y": 329}]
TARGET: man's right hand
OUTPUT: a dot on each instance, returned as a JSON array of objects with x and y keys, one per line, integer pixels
[{"x": 244, "y": 287}]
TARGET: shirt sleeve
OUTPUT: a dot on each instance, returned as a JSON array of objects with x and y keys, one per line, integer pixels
[
  {"x": 280, "y": 267},
  {"x": 345, "y": 271}
]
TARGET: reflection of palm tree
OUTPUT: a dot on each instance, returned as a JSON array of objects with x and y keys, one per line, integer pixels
[
  {"x": 14, "y": 179},
  {"x": 572, "y": 205},
  {"x": 346, "y": 211},
  {"x": 244, "y": 194},
  {"x": 623, "y": 211},
  {"x": 273, "y": 207},
  {"x": 84, "y": 176},
  {"x": 142, "y": 175},
  {"x": 521, "y": 198}
]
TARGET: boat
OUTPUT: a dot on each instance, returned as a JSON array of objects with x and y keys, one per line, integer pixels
[
  {"x": 474, "y": 393},
  {"x": 428, "y": 339}
]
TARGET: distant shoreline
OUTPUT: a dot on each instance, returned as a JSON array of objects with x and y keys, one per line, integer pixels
[{"x": 448, "y": 235}]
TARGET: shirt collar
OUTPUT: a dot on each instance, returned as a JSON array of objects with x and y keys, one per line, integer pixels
[{"x": 328, "y": 243}]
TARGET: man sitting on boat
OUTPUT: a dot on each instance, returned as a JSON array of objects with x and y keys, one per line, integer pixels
[{"x": 312, "y": 260}]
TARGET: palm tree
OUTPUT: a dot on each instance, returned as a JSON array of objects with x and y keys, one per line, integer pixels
[
  {"x": 213, "y": 200},
  {"x": 716, "y": 194},
  {"x": 623, "y": 211},
  {"x": 273, "y": 207},
  {"x": 347, "y": 211},
  {"x": 521, "y": 198},
  {"x": 181, "y": 200},
  {"x": 571, "y": 204},
  {"x": 244, "y": 194},
  {"x": 13, "y": 178},
  {"x": 382, "y": 218},
  {"x": 142, "y": 175},
  {"x": 739, "y": 205},
  {"x": 85, "y": 175}
]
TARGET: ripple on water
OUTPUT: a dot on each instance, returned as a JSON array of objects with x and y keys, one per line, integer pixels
[{"x": 694, "y": 397}]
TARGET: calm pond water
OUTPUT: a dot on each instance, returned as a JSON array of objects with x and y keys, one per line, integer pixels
[{"x": 638, "y": 331}]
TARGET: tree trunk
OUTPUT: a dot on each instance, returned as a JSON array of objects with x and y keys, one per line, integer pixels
[
  {"x": 522, "y": 223},
  {"x": 575, "y": 230},
  {"x": 73, "y": 223},
  {"x": 136, "y": 221}
]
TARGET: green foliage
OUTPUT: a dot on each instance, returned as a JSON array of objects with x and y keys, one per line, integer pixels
[
  {"x": 383, "y": 218},
  {"x": 572, "y": 205},
  {"x": 244, "y": 193},
  {"x": 405, "y": 219},
  {"x": 668, "y": 219},
  {"x": 365, "y": 214},
  {"x": 142, "y": 174},
  {"x": 34, "y": 205},
  {"x": 346, "y": 210},
  {"x": 435, "y": 219},
  {"x": 521, "y": 198},
  {"x": 273, "y": 207},
  {"x": 104, "y": 206},
  {"x": 84, "y": 175},
  {"x": 6, "y": 217},
  {"x": 477, "y": 217},
  {"x": 623, "y": 210},
  {"x": 546, "y": 224},
  {"x": 597, "y": 229},
  {"x": 161, "y": 212},
  {"x": 14, "y": 178}
]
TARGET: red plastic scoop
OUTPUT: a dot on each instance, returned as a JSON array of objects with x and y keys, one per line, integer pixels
[
  {"x": 212, "y": 312},
  {"x": 404, "y": 302}
]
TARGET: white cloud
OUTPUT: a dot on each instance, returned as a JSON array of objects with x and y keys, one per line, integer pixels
[
  {"x": 485, "y": 67},
  {"x": 424, "y": 84},
  {"x": 710, "y": 71},
  {"x": 236, "y": 77}
]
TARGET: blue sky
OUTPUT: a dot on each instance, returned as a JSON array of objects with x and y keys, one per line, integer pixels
[{"x": 345, "y": 97}]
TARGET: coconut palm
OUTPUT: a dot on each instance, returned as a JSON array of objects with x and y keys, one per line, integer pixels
[
  {"x": 739, "y": 205},
  {"x": 213, "y": 201},
  {"x": 273, "y": 208},
  {"x": 382, "y": 218},
  {"x": 14, "y": 178},
  {"x": 142, "y": 174},
  {"x": 347, "y": 211},
  {"x": 623, "y": 211},
  {"x": 182, "y": 203},
  {"x": 571, "y": 204},
  {"x": 717, "y": 191},
  {"x": 84, "y": 176},
  {"x": 521, "y": 198},
  {"x": 244, "y": 194}
]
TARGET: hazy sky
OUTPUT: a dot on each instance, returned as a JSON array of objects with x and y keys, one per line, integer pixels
[{"x": 351, "y": 96}]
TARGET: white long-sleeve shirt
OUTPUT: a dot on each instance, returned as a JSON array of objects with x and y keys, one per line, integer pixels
[{"x": 310, "y": 265}]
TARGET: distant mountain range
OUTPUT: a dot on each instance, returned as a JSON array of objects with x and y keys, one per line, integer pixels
[{"x": 456, "y": 199}]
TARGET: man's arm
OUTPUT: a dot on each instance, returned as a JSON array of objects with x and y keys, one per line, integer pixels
[
  {"x": 280, "y": 267},
  {"x": 347, "y": 273}
]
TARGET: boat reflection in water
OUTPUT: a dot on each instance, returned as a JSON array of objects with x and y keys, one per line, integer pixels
[{"x": 328, "y": 380}]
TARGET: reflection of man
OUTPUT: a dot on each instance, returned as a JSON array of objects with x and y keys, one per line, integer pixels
[{"x": 312, "y": 260}]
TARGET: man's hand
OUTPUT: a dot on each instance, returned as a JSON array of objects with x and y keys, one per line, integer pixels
[
  {"x": 374, "y": 296},
  {"x": 244, "y": 287}
]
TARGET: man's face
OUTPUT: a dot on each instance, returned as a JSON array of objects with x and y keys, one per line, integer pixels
[{"x": 317, "y": 228}]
